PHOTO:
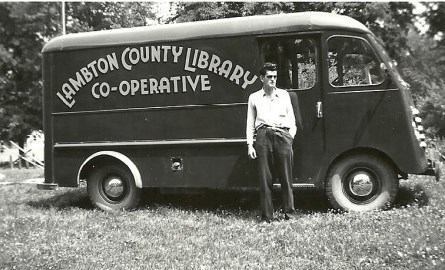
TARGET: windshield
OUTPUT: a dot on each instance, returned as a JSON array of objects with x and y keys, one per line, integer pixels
[{"x": 392, "y": 69}]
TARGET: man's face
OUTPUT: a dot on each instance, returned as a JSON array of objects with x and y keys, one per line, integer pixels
[{"x": 269, "y": 79}]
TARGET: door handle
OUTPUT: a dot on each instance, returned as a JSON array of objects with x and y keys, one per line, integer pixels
[{"x": 319, "y": 109}]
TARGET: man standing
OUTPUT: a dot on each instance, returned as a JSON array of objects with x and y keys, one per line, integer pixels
[{"x": 270, "y": 115}]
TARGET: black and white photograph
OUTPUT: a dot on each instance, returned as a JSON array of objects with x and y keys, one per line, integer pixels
[{"x": 222, "y": 135}]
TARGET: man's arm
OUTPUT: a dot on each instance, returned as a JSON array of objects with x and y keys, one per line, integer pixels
[
  {"x": 250, "y": 128},
  {"x": 291, "y": 118}
]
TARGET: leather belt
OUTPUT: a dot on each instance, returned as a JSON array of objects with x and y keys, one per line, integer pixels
[{"x": 273, "y": 128}]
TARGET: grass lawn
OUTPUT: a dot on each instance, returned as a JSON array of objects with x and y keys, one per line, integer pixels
[{"x": 61, "y": 230}]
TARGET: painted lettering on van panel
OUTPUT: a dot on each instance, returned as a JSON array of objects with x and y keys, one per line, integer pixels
[{"x": 192, "y": 60}]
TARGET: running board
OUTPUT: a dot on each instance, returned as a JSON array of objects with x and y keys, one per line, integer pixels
[{"x": 295, "y": 186}]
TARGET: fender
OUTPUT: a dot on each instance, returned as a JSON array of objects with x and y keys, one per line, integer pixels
[{"x": 121, "y": 157}]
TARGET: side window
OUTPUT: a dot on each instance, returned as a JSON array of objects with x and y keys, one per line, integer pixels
[
  {"x": 295, "y": 59},
  {"x": 352, "y": 63}
]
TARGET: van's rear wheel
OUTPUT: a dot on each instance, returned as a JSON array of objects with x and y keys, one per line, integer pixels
[
  {"x": 111, "y": 187},
  {"x": 361, "y": 183}
]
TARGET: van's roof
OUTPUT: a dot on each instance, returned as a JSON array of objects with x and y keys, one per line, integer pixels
[{"x": 253, "y": 25}]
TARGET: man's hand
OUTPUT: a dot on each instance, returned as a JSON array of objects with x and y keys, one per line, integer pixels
[{"x": 251, "y": 151}]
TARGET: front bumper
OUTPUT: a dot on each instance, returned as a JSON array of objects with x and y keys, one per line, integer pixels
[{"x": 433, "y": 169}]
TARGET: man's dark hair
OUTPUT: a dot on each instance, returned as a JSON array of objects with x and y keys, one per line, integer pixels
[{"x": 268, "y": 67}]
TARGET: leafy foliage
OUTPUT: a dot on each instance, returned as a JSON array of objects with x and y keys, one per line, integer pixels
[
  {"x": 25, "y": 28},
  {"x": 435, "y": 17},
  {"x": 424, "y": 71},
  {"x": 384, "y": 19},
  {"x": 95, "y": 16}
]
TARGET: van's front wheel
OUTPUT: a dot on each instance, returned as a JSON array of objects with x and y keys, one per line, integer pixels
[
  {"x": 111, "y": 187},
  {"x": 361, "y": 183}
]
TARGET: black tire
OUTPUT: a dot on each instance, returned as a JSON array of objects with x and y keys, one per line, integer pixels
[
  {"x": 361, "y": 183},
  {"x": 111, "y": 187}
]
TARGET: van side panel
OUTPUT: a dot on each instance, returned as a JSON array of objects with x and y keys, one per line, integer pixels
[
  {"x": 162, "y": 92},
  {"x": 163, "y": 74},
  {"x": 368, "y": 127},
  {"x": 153, "y": 124},
  {"x": 203, "y": 166}
]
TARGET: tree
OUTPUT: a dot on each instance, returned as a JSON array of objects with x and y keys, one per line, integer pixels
[
  {"x": 435, "y": 17},
  {"x": 94, "y": 16},
  {"x": 424, "y": 69},
  {"x": 385, "y": 19},
  {"x": 25, "y": 28}
]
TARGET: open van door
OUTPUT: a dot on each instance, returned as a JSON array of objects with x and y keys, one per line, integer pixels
[{"x": 299, "y": 72}]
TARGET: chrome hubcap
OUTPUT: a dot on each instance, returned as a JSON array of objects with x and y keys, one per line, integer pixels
[
  {"x": 361, "y": 184},
  {"x": 114, "y": 187}
]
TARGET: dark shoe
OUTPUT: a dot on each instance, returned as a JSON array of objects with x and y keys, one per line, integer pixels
[
  {"x": 290, "y": 216},
  {"x": 267, "y": 220}
]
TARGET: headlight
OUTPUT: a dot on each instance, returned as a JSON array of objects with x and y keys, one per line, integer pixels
[{"x": 418, "y": 128}]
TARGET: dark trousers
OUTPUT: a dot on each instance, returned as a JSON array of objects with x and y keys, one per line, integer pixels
[{"x": 274, "y": 159}]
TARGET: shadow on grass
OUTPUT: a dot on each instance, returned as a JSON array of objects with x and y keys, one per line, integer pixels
[
  {"x": 411, "y": 196},
  {"x": 306, "y": 201},
  {"x": 73, "y": 198},
  {"x": 210, "y": 200}
]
